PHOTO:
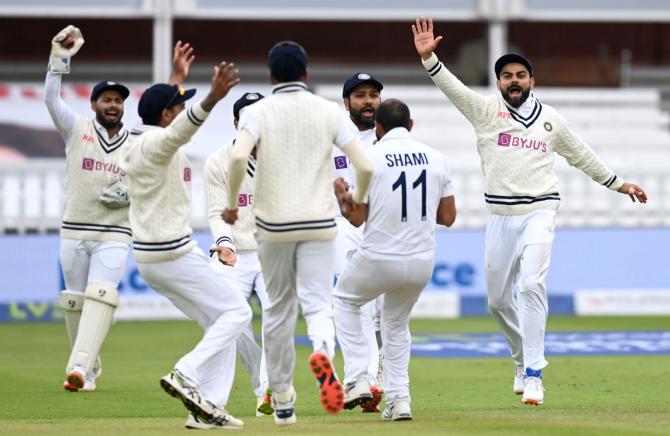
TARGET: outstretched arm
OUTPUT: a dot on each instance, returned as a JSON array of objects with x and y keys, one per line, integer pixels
[
  {"x": 424, "y": 41},
  {"x": 477, "y": 109},
  {"x": 634, "y": 192}
]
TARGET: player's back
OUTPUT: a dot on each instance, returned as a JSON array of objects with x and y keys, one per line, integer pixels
[
  {"x": 296, "y": 130},
  {"x": 409, "y": 180}
]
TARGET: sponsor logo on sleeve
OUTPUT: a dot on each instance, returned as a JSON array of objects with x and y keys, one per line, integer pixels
[
  {"x": 187, "y": 174},
  {"x": 244, "y": 200},
  {"x": 340, "y": 162}
]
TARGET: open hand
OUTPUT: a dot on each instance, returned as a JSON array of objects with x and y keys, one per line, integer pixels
[
  {"x": 424, "y": 41},
  {"x": 633, "y": 191}
]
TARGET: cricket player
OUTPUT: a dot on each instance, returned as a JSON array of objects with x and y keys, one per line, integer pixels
[
  {"x": 159, "y": 180},
  {"x": 293, "y": 132},
  {"x": 517, "y": 137},
  {"x": 361, "y": 95},
  {"x": 410, "y": 193},
  {"x": 235, "y": 251},
  {"x": 95, "y": 235}
]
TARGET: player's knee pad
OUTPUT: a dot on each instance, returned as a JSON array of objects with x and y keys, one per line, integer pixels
[
  {"x": 102, "y": 293},
  {"x": 71, "y": 301},
  {"x": 97, "y": 317}
]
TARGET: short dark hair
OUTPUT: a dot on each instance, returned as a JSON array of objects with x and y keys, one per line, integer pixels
[{"x": 392, "y": 113}]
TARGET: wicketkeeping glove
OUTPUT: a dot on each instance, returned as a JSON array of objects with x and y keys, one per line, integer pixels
[
  {"x": 59, "y": 59},
  {"x": 115, "y": 195}
]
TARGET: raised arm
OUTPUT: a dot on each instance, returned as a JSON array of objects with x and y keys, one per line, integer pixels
[
  {"x": 182, "y": 58},
  {"x": 476, "y": 108},
  {"x": 63, "y": 46},
  {"x": 184, "y": 126}
]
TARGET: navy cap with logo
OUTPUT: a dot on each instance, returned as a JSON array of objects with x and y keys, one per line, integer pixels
[
  {"x": 247, "y": 99},
  {"x": 287, "y": 61},
  {"x": 107, "y": 85},
  {"x": 358, "y": 79},
  {"x": 512, "y": 58},
  {"x": 161, "y": 96}
]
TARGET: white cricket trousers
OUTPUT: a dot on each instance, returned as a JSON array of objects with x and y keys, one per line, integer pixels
[
  {"x": 401, "y": 279},
  {"x": 92, "y": 261},
  {"x": 247, "y": 275},
  {"x": 296, "y": 272},
  {"x": 348, "y": 239},
  {"x": 209, "y": 298},
  {"x": 518, "y": 250}
]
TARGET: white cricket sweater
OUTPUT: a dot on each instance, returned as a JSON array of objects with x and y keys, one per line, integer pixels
[
  {"x": 239, "y": 236},
  {"x": 294, "y": 132},
  {"x": 517, "y": 150},
  {"x": 91, "y": 163},
  {"x": 159, "y": 182}
]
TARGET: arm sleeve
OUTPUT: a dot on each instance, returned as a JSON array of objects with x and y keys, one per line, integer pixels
[
  {"x": 61, "y": 114},
  {"x": 237, "y": 167},
  {"x": 217, "y": 200},
  {"x": 472, "y": 105},
  {"x": 363, "y": 167},
  {"x": 447, "y": 187},
  {"x": 178, "y": 133},
  {"x": 580, "y": 155}
]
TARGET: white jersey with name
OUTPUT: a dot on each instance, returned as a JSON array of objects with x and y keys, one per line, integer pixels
[{"x": 409, "y": 180}]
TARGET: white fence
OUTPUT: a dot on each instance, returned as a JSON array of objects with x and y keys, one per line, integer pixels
[{"x": 31, "y": 198}]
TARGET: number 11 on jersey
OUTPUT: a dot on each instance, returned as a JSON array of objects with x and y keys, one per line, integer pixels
[{"x": 402, "y": 184}]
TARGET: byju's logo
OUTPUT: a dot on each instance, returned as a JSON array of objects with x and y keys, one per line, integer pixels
[
  {"x": 245, "y": 200},
  {"x": 187, "y": 174},
  {"x": 90, "y": 164},
  {"x": 504, "y": 139},
  {"x": 507, "y": 140},
  {"x": 340, "y": 162}
]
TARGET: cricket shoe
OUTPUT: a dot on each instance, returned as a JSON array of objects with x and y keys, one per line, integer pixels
[
  {"x": 519, "y": 374},
  {"x": 533, "y": 390},
  {"x": 179, "y": 386},
  {"x": 283, "y": 404},
  {"x": 330, "y": 388},
  {"x": 222, "y": 420},
  {"x": 373, "y": 406},
  {"x": 264, "y": 404},
  {"x": 75, "y": 379},
  {"x": 398, "y": 411},
  {"x": 89, "y": 385},
  {"x": 357, "y": 393}
]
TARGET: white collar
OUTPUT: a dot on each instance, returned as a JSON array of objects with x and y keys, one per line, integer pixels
[
  {"x": 395, "y": 133},
  {"x": 527, "y": 108},
  {"x": 103, "y": 131}
]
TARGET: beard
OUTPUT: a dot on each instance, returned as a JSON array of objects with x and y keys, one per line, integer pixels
[
  {"x": 108, "y": 124},
  {"x": 362, "y": 120},
  {"x": 516, "y": 102}
]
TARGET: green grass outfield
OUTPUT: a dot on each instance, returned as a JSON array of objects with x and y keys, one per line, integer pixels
[{"x": 585, "y": 395}]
